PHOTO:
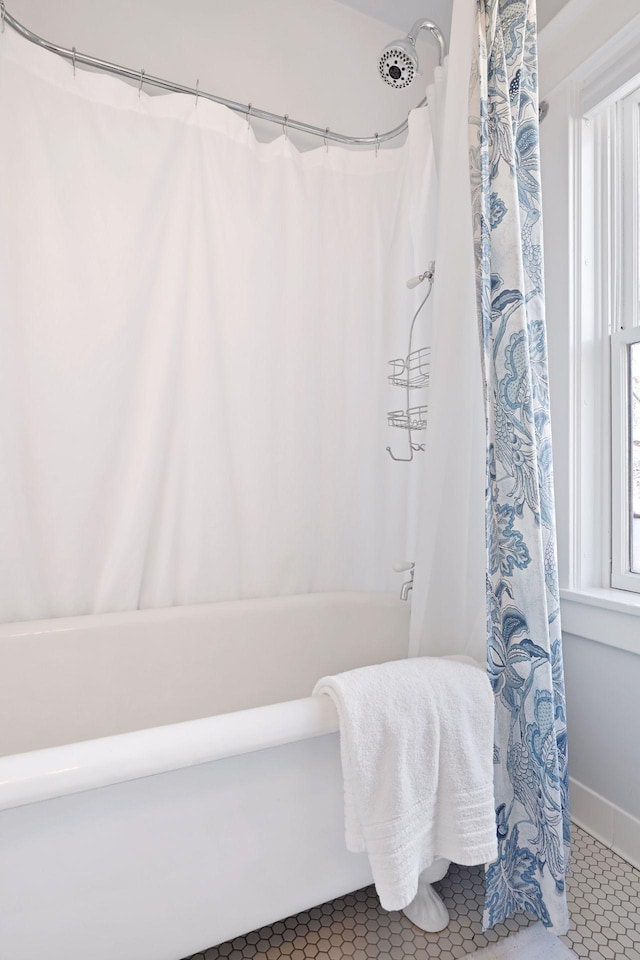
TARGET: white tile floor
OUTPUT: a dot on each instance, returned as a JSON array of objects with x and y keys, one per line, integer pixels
[{"x": 604, "y": 900}]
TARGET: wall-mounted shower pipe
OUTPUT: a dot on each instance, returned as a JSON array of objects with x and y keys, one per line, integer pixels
[{"x": 141, "y": 77}]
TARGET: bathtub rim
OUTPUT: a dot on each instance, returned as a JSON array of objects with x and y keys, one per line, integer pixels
[
  {"x": 15, "y": 629},
  {"x": 46, "y": 773},
  {"x": 53, "y": 772}
]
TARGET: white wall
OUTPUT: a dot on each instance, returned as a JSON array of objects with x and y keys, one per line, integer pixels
[
  {"x": 602, "y": 681},
  {"x": 315, "y": 60}
]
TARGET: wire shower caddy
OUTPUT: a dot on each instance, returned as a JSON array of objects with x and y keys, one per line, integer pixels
[{"x": 411, "y": 372}]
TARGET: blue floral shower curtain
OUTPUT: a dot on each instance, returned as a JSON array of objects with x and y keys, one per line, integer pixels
[{"x": 523, "y": 617}]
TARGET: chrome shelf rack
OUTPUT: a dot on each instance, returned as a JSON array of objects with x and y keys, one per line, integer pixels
[{"x": 411, "y": 371}]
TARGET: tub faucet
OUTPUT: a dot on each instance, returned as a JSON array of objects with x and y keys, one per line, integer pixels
[{"x": 401, "y": 567}]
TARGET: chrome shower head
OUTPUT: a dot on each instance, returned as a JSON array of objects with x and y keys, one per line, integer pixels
[{"x": 398, "y": 64}]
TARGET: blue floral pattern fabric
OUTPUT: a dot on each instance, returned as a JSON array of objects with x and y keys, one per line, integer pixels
[{"x": 523, "y": 613}]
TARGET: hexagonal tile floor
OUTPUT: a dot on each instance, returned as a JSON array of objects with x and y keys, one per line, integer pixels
[{"x": 604, "y": 900}]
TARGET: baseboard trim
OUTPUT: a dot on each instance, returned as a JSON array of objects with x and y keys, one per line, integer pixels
[{"x": 611, "y": 825}]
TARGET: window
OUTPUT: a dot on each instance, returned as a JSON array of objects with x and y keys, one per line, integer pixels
[
  {"x": 634, "y": 455},
  {"x": 625, "y": 351},
  {"x": 607, "y": 402}
]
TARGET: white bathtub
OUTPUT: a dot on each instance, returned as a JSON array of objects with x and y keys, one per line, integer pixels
[{"x": 166, "y": 781}]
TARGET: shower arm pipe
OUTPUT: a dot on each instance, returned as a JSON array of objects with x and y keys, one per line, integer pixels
[
  {"x": 286, "y": 122},
  {"x": 436, "y": 32}
]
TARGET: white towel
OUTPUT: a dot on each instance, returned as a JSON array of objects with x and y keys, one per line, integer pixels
[{"x": 416, "y": 740}]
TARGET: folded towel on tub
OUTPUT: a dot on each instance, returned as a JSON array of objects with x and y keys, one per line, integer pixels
[{"x": 416, "y": 741}]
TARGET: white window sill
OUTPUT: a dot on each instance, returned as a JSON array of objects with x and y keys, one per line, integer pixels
[{"x": 607, "y": 616}]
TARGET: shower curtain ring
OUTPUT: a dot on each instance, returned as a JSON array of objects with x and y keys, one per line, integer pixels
[
  {"x": 73, "y": 60},
  {"x": 2, "y": 13},
  {"x": 377, "y": 145},
  {"x": 141, "y": 82},
  {"x": 197, "y": 85},
  {"x": 284, "y": 126},
  {"x": 249, "y": 109},
  {"x": 326, "y": 142}
]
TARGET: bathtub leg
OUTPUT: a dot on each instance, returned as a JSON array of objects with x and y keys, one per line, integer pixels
[{"x": 427, "y": 910}]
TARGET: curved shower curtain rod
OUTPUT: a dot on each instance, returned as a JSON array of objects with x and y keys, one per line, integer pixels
[{"x": 285, "y": 122}]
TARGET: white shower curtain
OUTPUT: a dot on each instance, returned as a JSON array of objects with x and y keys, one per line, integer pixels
[
  {"x": 195, "y": 328},
  {"x": 449, "y": 607}
]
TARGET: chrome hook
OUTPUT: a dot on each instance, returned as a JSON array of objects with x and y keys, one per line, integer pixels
[
  {"x": 3, "y": 10},
  {"x": 326, "y": 142},
  {"x": 284, "y": 126},
  {"x": 249, "y": 109},
  {"x": 197, "y": 91},
  {"x": 402, "y": 459},
  {"x": 377, "y": 145},
  {"x": 141, "y": 82},
  {"x": 73, "y": 60},
  {"x": 413, "y": 447}
]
